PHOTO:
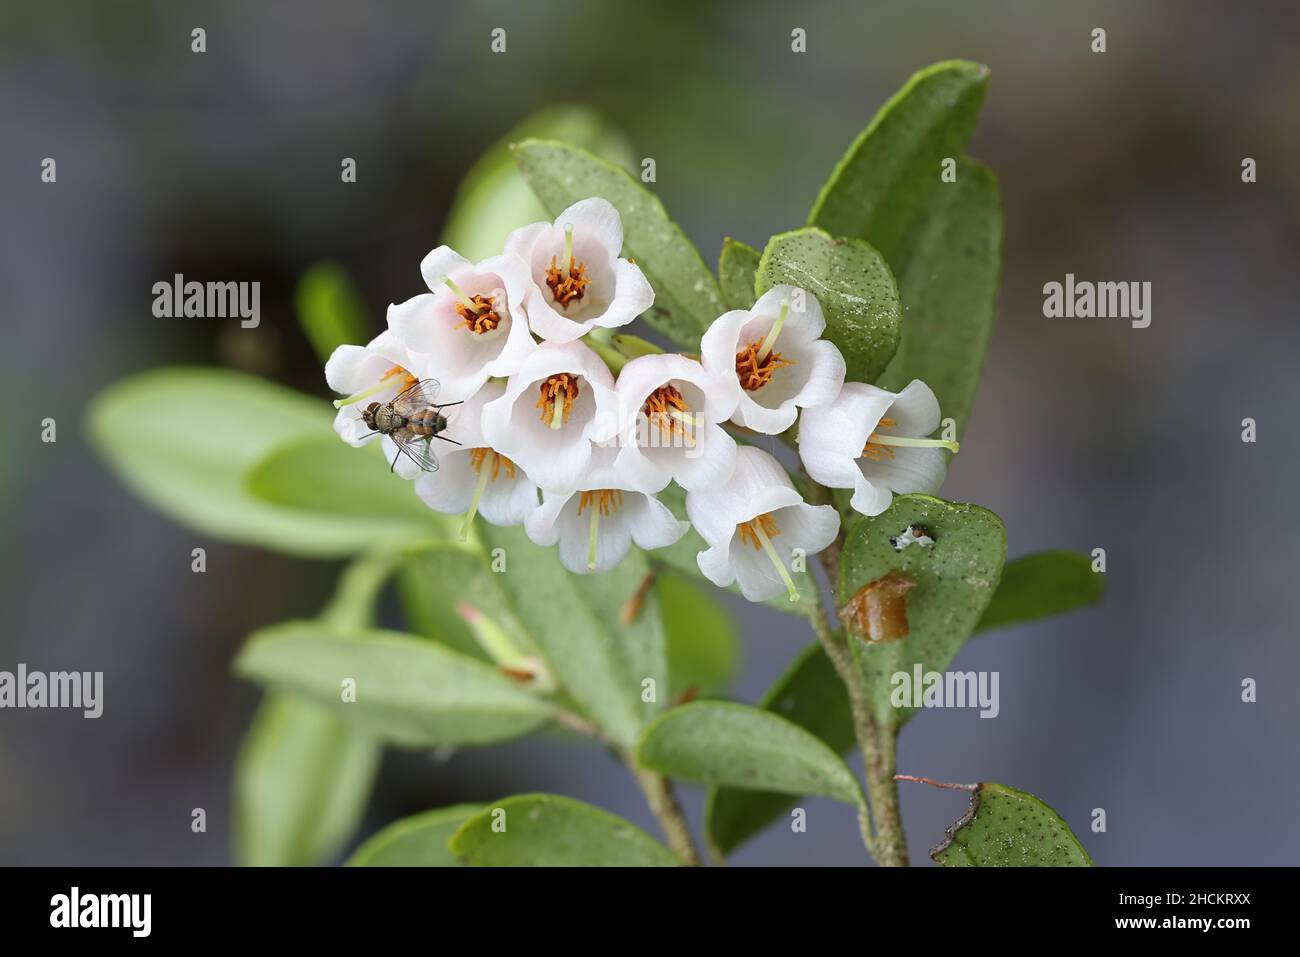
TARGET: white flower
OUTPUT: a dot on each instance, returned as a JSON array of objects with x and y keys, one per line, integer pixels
[
  {"x": 471, "y": 326},
  {"x": 873, "y": 442},
  {"x": 559, "y": 402},
  {"x": 576, "y": 280},
  {"x": 475, "y": 479},
  {"x": 773, "y": 356},
  {"x": 755, "y": 525},
  {"x": 669, "y": 410},
  {"x": 375, "y": 372},
  {"x": 597, "y": 523}
]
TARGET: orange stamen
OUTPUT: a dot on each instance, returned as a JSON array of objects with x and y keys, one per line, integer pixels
[
  {"x": 765, "y": 522},
  {"x": 567, "y": 288},
  {"x": 753, "y": 372},
  {"x": 561, "y": 388}
]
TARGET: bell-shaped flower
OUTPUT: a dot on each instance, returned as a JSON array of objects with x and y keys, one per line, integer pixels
[
  {"x": 757, "y": 527},
  {"x": 576, "y": 279},
  {"x": 669, "y": 415},
  {"x": 876, "y": 443},
  {"x": 471, "y": 326},
  {"x": 774, "y": 358},
  {"x": 559, "y": 402},
  {"x": 375, "y": 372},
  {"x": 473, "y": 478},
  {"x": 597, "y": 523}
]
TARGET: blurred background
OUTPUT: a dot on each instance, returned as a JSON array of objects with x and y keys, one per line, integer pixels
[{"x": 1119, "y": 166}]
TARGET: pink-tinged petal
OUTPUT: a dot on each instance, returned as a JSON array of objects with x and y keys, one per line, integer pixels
[
  {"x": 551, "y": 324},
  {"x": 597, "y": 217},
  {"x": 520, "y": 242},
  {"x": 347, "y": 369},
  {"x": 633, "y": 295},
  {"x": 414, "y": 322},
  {"x": 440, "y": 264},
  {"x": 387, "y": 345}
]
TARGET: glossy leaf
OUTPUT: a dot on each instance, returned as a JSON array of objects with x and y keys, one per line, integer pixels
[
  {"x": 687, "y": 297},
  {"x": 701, "y": 637},
  {"x": 809, "y": 694},
  {"x": 1041, "y": 585},
  {"x": 949, "y": 285},
  {"x": 417, "y": 841},
  {"x": 854, "y": 286},
  {"x": 331, "y": 312},
  {"x": 735, "y": 745},
  {"x": 493, "y": 198},
  {"x": 881, "y": 188},
  {"x": 954, "y": 580},
  {"x": 186, "y": 439},
  {"x": 1008, "y": 828},
  {"x": 302, "y": 781},
  {"x": 546, "y": 830},
  {"x": 736, "y": 268},
  {"x": 576, "y": 621},
  {"x": 408, "y": 691}
]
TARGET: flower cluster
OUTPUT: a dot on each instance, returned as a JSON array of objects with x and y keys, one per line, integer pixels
[{"x": 534, "y": 428}]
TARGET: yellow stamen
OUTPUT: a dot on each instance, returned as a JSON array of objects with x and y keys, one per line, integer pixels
[
  {"x": 605, "y": 501},
  {"x": 759, "y": 532},
  {"x": 558, "y": 393},
  {"x": 569, "y": 282},
  {"x": 756, "y": 371}
]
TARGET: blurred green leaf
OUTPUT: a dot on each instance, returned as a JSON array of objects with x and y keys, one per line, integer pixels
[
  {"x": 880, "y": 190},
  {"x": 1008, "y": 828},
  {"x": 416, "y": 841},
  {"x": 736, "y": 267},
  {"x": 331, "y": 312},
  {"x": 734, "y": 745},
  {"x": 576, "y": 620},
  {"x": 302, "y": 781},
  {"x": 186, "y": 439},
  {"x": 409, "y": 692},
  {"x": 954, "y": 582},
  {"x": 435, "y": 578},
  {"x": 1041, "y": 585},
  {"x": 687, "y": 297},
  {"x": 493, "y": 198},
  {"x": 854, "y": 286},
  {"x": 326, "y": 477},
  {"x": 809, "y": 694},
  {"x": 949, "y": 287},
  {"x": 702, "y": 641},
  {"x": 546, "y": 830}
]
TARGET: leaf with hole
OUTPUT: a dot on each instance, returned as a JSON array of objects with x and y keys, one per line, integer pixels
[{"x": 1004, "y": 827}]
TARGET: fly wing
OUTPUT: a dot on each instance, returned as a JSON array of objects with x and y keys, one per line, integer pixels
[
  {"x": 417, "y": 448},
  {"x": 416, "y": 398}
]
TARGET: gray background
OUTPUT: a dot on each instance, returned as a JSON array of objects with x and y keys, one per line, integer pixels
[{"x": 1122, "y": 166}]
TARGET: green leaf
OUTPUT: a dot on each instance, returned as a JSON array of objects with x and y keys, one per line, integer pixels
[
  {"x": 854, "y": 286},
  {"x": 702, "y": 641},
  {"x": 409, "y": 692},
  {"x": 493, "y": 198},
  {"x": 1041, "y": 585},
  {"x": 331, "y": 312},
  {"x": 417, "y": 841},
  {"x": 576, "y": 620},
  {"x": 809, "y": 694},
  {"x": 687, "y": 297},
  {"x": 1008, "y": 828},
  {"x": 546, "y": 830},
  {"x": 954, "y": 581},
  {"x": 722, "y": 743},
  {"x": 329, "y": 477},
  {"x": 736, "y": 268},
  {"x": 881, "y": 188},
  {"x": 302, "y": 780},
  {"x": 949, "y": 286},
  {"x": 186, "y": 439}
]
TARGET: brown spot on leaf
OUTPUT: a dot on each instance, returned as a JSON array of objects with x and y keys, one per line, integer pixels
[{"x": 878, "y": 610}]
